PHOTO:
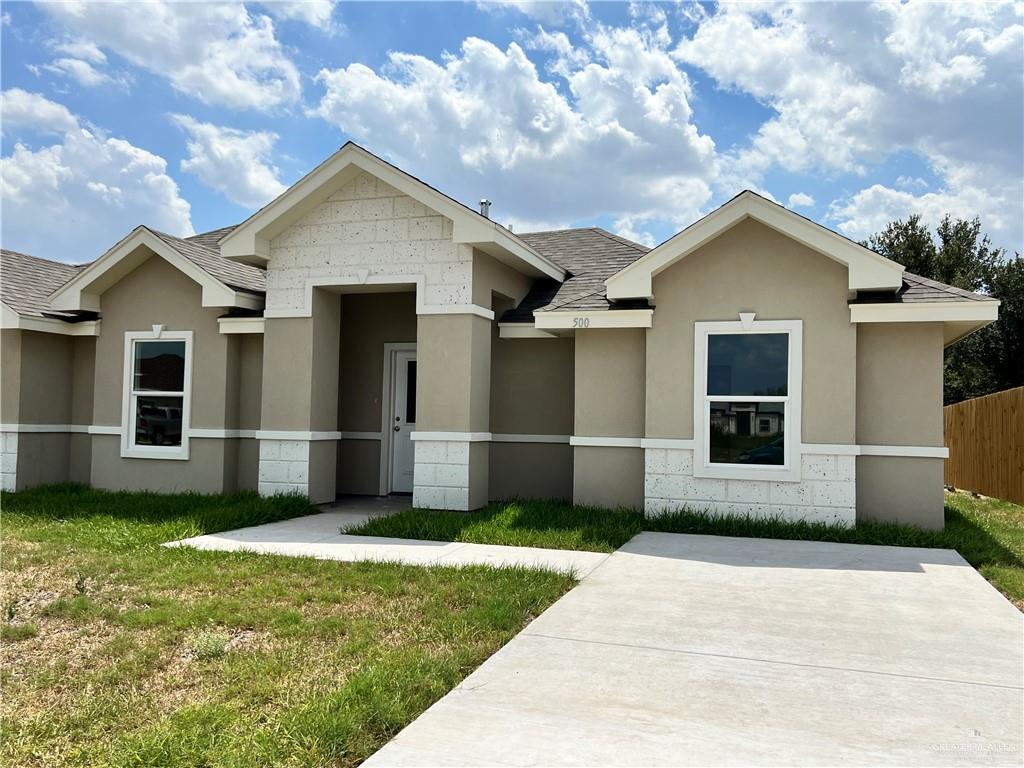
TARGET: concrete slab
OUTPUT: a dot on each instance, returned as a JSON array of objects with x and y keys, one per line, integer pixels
[{"x": 696, "y": 650}]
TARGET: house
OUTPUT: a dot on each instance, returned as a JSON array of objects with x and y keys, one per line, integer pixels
[{"x": 364, "y": 333}]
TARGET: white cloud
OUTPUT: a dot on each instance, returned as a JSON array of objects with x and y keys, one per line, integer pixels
[
  {"x": 21, "y": 109},
  {"x": 235, "y": 163},
  {"x": 618, "y": 139},
  {"x": 800, "y": 200},
  {"x": 75, "y": 198},
  {"x": 216, "y": 52},
  {"x": 554, "y": 13},
  {"x": 316, "y": 13},
  {"x": 79, "y": 70},
  {"x": 851, "y": 84}
]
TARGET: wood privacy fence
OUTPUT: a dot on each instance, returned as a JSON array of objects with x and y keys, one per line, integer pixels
[{"x": 985, "y": 437}]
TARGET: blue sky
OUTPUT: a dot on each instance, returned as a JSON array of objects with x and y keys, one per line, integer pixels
[{"x": 635, "y": 117}]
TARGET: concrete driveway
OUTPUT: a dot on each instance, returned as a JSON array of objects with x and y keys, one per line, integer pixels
[{"x": 702, "y": 650}]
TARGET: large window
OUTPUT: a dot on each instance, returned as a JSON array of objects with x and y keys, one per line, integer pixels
[
  {"x": 157, "y": 379},
  {"x": 747, "y": 380}
]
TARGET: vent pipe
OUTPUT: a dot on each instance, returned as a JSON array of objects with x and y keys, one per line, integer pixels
[{"x": 485, "y": 208}]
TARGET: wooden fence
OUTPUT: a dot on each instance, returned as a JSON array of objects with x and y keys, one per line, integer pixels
[{"x": 985, "y": 436}]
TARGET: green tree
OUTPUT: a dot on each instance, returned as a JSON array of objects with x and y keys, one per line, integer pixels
[{"x": 959, "y": 254}]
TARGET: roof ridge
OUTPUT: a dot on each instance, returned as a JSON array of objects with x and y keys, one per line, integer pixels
[{"x": 622, "y": 240}]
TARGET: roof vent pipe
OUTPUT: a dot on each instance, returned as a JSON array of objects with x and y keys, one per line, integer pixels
[{"x": 485, "y": 208}]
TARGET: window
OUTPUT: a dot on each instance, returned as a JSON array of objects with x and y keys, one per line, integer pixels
[
  {"x": 747, "y": 381},
  {"x": 157, "y": 393}
]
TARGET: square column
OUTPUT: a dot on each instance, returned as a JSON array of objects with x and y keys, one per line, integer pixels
[
  {"x": 453, "y": 396},
  {"x": 299, "y": 423}
]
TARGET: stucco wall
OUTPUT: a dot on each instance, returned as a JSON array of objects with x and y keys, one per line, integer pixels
[
  {"x": 368, "y": 225},
  {"x": 532, "y": 386},
  {"x": 491, "y": 277},
  {"x": 608, "y": 477},
  {"x": 609, "y": 400},
  {"x": 453, "y": 358},
  {"x": 900, "y": 489},
  {"x": 10, "y": 375},
  {"x": 530, "y": 471},
  {"x": 753, "y": 268}
]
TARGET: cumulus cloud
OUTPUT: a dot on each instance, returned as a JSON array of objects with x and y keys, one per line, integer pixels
[
  {"x": 73, "y": 199},
  {"x": 233, "y": 162},
  {"x": 551, "y": 12},
  {"x": 617, "y": 138},
  {"x": 316, "y": 13},
  {"x": 219, "y": 53},
  {"x": 21, "y": 109},
  {"x": 800, "y": 200},
  {"x": 852, "y": 84}
]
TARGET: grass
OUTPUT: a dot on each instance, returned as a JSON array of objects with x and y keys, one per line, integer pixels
[
  {"x": 988, "y": 533},
  {"x": 118, "y": 652}
]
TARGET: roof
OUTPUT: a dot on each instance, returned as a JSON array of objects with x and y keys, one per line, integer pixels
[
  {"x": 27, "y": 281},
  {"x": 918, "y": 290},
  {"x": 590, "y": 255},
  {"x": 202, "y": 251}
]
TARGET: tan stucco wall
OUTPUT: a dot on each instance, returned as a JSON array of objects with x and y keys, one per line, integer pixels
[
  {"x": 47, "y": 361},
  {"x": 43, "y": 458},
  {"x": 753, "y": 268},
  {"x": 491, "y": 277},
  {"x": 608, "y": 477},
  {"x": 10, "y": 375},
  {"x": 900, "y": 490},
  {"x": 209, "y": 464},
  {"x": 530, "y": 471},
  {"x": 453, "y": 356},
  {"x": 609, "y": 399},
  {"x": 532, "y": 386},
  {"x": 359, "y": 467},
  {"x": 899, "y": 384}
]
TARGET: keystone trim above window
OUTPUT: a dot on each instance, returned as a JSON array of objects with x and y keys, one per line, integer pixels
[
  {"x": 747, "y": 399},
  {"x": 157, "y": 392}
]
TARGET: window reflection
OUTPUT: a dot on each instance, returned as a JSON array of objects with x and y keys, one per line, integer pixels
[
  {"x": 158, "y": 420},
  {"x": 747, "y": 433}
]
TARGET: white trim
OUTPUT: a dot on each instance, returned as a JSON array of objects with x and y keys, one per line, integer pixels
[
  {"x": 563, "y": 439},
  {"x": 10, "y": 319},
  {"x": 910, "y": 451},
  {"x": 222, "y": 434},
  {"x": 866, "y": 269},
  {"x": 386, "y": 407},
  {"x": 522, "y": 331},
  {"x": 361, "y": 435},
  {"x": 682, "y": 444},
  {"x": 104, "y": 429},
  {"x": 250, "y": 241},
  {"x": 790, "y": 469},
  {"x": 129, "y": 450},
  {"x": 833, "y": 449},
  {"x": 453, "y": 437},
  {"x": 926, "y": 312},
  {"x": 605, "y": 442},
  {"x": 296, "y": 434},
  {"x": 46, "y": 428},
  {"x": 83, "y": 291},
  {"x": 240, "y": 324},
  {"x": 593, "y": 319},
  {"x": 456, "y": 309}
]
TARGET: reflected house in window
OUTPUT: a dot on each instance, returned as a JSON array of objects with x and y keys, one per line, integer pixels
[{"x": 158, "y": 388}]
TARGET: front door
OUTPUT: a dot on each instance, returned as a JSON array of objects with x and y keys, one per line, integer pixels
[{"x": 403, "y": 419}]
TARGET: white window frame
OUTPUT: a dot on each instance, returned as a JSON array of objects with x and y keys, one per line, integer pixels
[
  {"x": 789, "y": 471},
  {"x": 129, "y": 449}
]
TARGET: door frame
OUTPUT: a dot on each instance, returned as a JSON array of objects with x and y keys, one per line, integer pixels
[{"x": 387, "y": 410}]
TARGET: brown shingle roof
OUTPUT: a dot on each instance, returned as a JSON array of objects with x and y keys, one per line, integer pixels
[
  {"x": 27, "y": 281},
  {"x": 917, "y": 289},
  {"x": 590, "y": 255},
  {"x": 202, "y": 251}
]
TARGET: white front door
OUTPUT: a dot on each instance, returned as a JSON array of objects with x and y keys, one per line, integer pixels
[{"x": 403, "y": 419}]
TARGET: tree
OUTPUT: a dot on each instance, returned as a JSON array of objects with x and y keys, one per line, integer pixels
[{"x": 988, "y": 360}]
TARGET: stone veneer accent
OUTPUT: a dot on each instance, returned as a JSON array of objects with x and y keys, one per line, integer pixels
[
  {"x": 8, "y": 461},
  {"x": 826, "y": 492},
  {"x": 369, "y": 228},
  {"x": 441, "y": 479},
  {"x": 284, "y": 467}
]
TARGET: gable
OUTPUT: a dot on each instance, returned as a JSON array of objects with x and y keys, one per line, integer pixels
[{"x": 866, "y": 270}]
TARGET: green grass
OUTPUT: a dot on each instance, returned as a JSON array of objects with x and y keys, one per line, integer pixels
[
  {"x": 119, "y": 652},
  {"x": 988, "y": 533}
]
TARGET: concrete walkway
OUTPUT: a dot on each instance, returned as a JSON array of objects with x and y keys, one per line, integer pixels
[
  {"x": 700, "y": 650},
  {"x": 319, "y": 536}
]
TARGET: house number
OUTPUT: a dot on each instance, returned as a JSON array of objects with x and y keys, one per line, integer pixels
[{"x": 581, "y": 322}]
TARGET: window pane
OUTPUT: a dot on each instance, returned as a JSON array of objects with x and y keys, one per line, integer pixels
[
  {"x": 747, "y": 433},
  {"x": 158, "y": 420},
  {"x": 747, "y": 363},
  {"x": 410, "y": 392},
  {"x": 160, "y": 366}
]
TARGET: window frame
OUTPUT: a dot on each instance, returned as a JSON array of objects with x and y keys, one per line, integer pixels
[
  {"x": 789, "y": 470},
  {"x": 129, "y": 448}
]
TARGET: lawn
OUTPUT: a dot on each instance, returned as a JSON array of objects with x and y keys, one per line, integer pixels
[
  {"x": 118, "y": 652},
  {"x": 989, "y": 533}
]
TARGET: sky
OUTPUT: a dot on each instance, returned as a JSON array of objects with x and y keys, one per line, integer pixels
[{"x": 635, "y": 117}]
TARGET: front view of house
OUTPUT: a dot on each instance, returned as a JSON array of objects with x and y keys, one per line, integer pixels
[{"x": 366, "y": 334}]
